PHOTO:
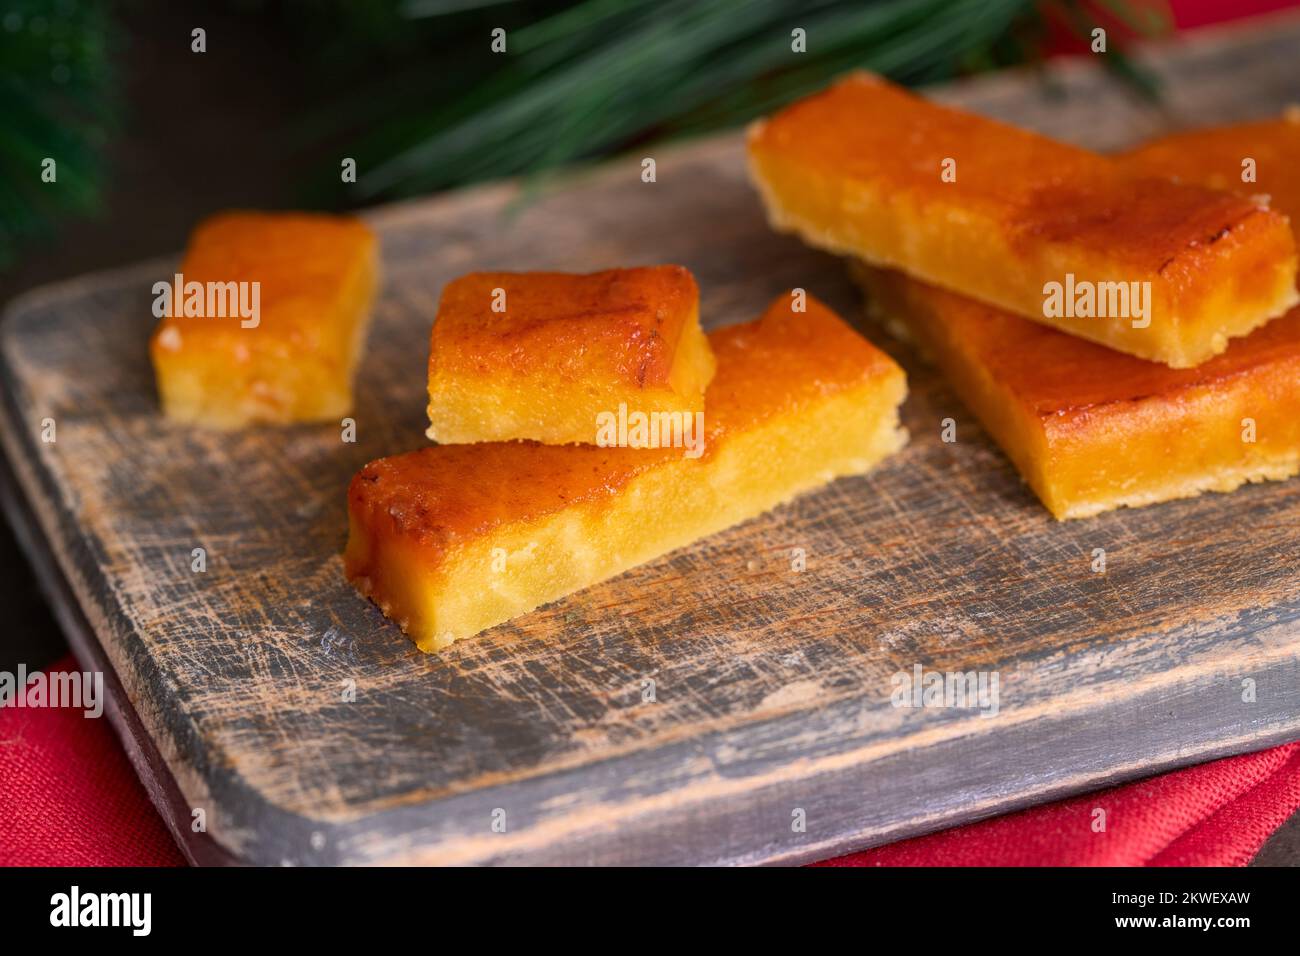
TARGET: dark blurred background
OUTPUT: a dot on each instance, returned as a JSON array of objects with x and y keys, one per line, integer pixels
[{"x": 150, "y": 136}]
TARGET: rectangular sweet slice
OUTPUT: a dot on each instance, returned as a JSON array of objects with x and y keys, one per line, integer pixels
[
  {"x": 550, "y": 356},
  {"x": 265, "y": 320},
  {"x": 1165, "y": 271},
  {"x": 1250, "y": 159},
  {"x": 453, "y": 539},
  {"x": 1091, "y": 429}
]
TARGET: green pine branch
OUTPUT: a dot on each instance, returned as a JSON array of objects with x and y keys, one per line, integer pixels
[
  {"x": 56, "y": 110},
  {"x": 595, "y": 77}
]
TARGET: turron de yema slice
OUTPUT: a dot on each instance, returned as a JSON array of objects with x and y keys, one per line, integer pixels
[
  {"x": 313, "y": 279},
  {"x": 1000, "y": 214},
  {"x": 541, "y": 355},
  {"x": 1092, "y": 429},
  {"x": 453, "y": 539}
]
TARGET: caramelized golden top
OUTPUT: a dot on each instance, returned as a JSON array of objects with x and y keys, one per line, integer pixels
[
  {"x": 1215, "y": 157},
  {"x": 767, "y": 368},
  {"x": 301, "y": 261},
  {"x": 866, "y": 130},
  {"x": 783, "y": 362},
  {"x": 621, "y": 325},
  {"x": 1057, "y": 375}
]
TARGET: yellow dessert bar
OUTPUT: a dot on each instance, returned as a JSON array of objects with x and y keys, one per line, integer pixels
[
  {"x": 1251, "y": 159},
  {"x": 1095, "y": 247},
  {"x": 1091, "y": 429},
  {"x": 265, "y": 320},
  {"x": 453, "y": 539},
  {"x": 551, "y": 356}
]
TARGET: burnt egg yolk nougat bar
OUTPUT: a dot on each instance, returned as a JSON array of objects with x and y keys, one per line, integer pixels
[
  {"x": 549, "y": 356},
  {"x": 1091, "y": 429},
  {"x": 1095, "y": 247},
  {"x": 798, "y": 400},
  {"x": 266, "y": 319}
]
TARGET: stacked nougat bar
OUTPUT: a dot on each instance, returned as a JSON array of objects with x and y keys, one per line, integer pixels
[
  {"x": 1120, "y": 325},
  {"x": 531, "y": 495}
]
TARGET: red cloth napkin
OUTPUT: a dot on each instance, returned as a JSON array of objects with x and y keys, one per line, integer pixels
[
  {"x": 68, "y": 797},
  {"x": 1214, "y": 814}
]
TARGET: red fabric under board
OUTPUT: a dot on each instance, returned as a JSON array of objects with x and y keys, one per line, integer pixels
[
  {"x": 1213, "y": 814},
  {"x": 1199, "y": 13},
  {"x": 68, "y": 796},
  {"x": 1180, "y": 16}
]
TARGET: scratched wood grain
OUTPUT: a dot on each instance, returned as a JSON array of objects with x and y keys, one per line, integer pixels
[{"x": 772, "y": 686}]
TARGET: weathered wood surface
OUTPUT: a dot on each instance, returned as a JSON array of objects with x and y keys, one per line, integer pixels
[{"x": 772, "y": 686}]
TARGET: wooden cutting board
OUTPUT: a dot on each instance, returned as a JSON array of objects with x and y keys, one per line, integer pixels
[{"x": 773, "y": 687}]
